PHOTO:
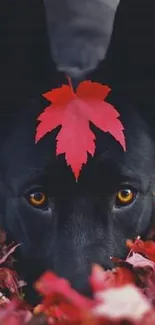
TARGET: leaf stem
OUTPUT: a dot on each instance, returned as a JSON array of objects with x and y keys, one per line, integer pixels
[{"x": 70, "y": 83}]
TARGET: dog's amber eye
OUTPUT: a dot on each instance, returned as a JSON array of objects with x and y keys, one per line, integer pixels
[
  {"x": 125, "y": 196},
  {"x": 37, "y": 199}
]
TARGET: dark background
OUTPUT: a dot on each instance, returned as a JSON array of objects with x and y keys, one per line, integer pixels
[{"x": 26, "y": 67}]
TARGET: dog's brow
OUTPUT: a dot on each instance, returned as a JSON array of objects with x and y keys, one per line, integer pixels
[
  {"x": 18, "y": 184},
  {"x": 106, "y": 163}
]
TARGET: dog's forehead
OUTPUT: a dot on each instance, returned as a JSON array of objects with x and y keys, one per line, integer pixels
[{"x": 23, "y": 156}]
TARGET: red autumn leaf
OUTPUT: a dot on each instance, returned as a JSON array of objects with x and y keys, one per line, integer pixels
[
  {"x": 60, "y": 312},
  {"x": 101, "y": 279},
  {"x": 10, "y": 251},
  {"x": 9, "y": 280},
  {"x": 125, "y": 303},
  {"x": 145, "y": 271},
  {"x": 18, "y": 318},
  {"x": 138, "y": 261},
  {"x": 10, "y": 308},
  {"x": 74, "y": 112},
  {"x": 59, "y": 289},
  {"x": 14, "y": 313},
  {"x": 146, "y": 248},
  {"x": 52, "y": 310},
  {"x": 60, "y": 301}
]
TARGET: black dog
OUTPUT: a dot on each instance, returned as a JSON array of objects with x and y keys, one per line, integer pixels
[
  {"x": 66, "y": 226},
  {"x": 63, "y": 225}
]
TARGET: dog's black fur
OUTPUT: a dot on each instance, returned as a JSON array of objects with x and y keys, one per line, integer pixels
[{"x": 81, "y": 223}]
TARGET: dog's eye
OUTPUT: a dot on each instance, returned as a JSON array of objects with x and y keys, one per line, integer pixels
[
  {"x": 125, "y": 196},
  {"x": 37, "y": 199}
]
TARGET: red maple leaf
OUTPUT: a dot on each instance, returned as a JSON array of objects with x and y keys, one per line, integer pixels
[
  {"x": 146, "y": 248},
  {"x": 10, "y": 250},
  {"x": 74, "y": 112},
  {"x": 14, "y": 313},
  {"x": 122, "y": 305},
  {"x": 101, "y": 279},
  {"x": 50, "y": 285},
  {"x": 60, "y": 300}
]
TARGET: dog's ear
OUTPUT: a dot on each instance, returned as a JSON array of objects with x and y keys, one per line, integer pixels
[{"x": 79, "y": 33}]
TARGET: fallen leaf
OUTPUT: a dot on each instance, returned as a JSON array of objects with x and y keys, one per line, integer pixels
[
  {"x": 138, "y": 261},
  {"x": 9, "y": 280},
  {"x": 10, "y": 251},
  {"x": 101, "y": 279},
  {"x": 59, "y": 289},
  {"x": 146, "y": 248},
  {"x": 124, "y": 303}
]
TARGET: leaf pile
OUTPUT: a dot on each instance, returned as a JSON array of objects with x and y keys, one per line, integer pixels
[{"x": 122, "y": 296}]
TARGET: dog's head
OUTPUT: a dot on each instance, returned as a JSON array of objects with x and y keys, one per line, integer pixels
[{"x": 67, "y": 226}]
